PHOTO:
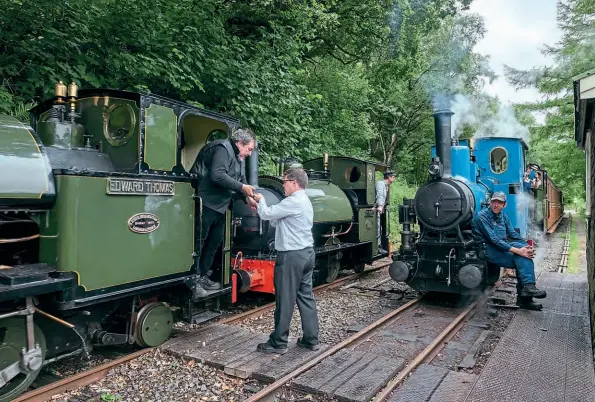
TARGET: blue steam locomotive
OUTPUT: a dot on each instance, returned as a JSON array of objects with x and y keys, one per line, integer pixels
[{"x": 442, "y": 256}]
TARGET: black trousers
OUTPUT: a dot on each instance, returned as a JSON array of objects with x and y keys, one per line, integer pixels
[
  {"x": 293, "y": 282},
  {"x": 213, "y": 229}
]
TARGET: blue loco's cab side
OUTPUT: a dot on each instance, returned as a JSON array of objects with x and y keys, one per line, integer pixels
[{"x": 501, "y": 163}]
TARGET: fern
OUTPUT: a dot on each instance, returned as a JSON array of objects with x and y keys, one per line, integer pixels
[{"x": 20, "y": 111}]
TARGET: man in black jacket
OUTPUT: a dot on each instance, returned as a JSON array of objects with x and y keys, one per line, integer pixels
[{"x": 220, "y": 177}]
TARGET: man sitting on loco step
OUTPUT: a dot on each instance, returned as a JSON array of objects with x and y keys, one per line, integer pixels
[
  {"x": 506, "y": 248},
  {"x": 381, "y": 195},
  {"x": 220, "y": 177},
  {"x": 293, "y": 219}
]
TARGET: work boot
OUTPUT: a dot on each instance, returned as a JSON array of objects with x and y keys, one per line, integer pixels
[
  {"x": 198, "y": 292},
  {"x": 528, "y": 304},
  {"x": 382, "y": 251},
  {"x": 313, "y": 347},
  {"x": 208, "y": 284},
  {"x": 268, "y": 348},
  {"x": 531, "y": 291}
]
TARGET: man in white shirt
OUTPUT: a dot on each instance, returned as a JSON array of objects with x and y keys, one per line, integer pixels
[
  {"x": 292, "y": 218},
  {"x": 381, "y": 198}
]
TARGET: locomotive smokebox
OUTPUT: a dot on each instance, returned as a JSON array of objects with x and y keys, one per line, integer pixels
[{"x": 442, "y": 120}]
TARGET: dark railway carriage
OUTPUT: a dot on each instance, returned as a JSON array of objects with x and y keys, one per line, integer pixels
[{"x": 546, "y": 207}]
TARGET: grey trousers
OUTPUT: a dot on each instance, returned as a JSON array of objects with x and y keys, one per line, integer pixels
[
  {"x": 379, "y": 232},
  {"x": 293, "y": 282}
]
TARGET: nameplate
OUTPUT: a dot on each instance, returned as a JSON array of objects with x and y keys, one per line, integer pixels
[{"x": 139, "y": 187}]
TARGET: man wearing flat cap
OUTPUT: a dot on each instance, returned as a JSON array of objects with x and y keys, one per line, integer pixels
[
  {"x": 507, "y": 248},
  {"x": 381, "y": 198}
]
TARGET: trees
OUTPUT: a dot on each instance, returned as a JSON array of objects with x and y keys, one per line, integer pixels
[
  {"x": 552, "y": 145},
  {"x": 353, "y": 77}
]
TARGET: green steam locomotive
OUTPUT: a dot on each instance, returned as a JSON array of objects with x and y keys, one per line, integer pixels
[{"x": 100, "y": 226}]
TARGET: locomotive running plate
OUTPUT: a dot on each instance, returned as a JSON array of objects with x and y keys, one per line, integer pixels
[{"x": 143, "y": 223}]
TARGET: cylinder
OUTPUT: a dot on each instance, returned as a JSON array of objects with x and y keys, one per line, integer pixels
[
  {"x": 252, "y": 167},
  {"x": 442, "y": 120}
]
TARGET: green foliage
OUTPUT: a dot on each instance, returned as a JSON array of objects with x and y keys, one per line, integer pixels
[
  {"x": 348, "y": 77},
  {"x": 398, "y": 190},
  {"x": 108, "y": 397},
  {"x": 574, "y": 249},
  {"x": 352, "y": 77}
]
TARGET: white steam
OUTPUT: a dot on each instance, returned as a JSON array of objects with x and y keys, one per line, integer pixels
[
  {"x": 466, "y": 112},
  {"x": 485, "y": 122},
  {"x": 534, "y": 233},
  {"x": 503, "y": 124}
]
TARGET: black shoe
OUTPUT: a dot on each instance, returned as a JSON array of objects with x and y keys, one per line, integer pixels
[
  {"x": 532, "y": 291},
  {"x": 382, "y": 251},
  {"x": 208, "y": 284},
  {"x": 308, "y": 345},
  {"x": 268, "y": 348},
  {"x": 529, "y": 304}
]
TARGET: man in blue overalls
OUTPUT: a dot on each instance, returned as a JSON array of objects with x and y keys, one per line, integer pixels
[{"x": 505, "y": 247}]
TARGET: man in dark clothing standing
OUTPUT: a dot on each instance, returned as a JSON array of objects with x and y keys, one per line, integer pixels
[
  {"x": 506, "y": 248},
  {"x": 293, "y": 219},
  {"x": 220, "y": 177}
]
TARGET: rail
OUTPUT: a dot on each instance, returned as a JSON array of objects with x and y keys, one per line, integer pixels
[
  {"x": 46, "y": 392},
  {"x": 425, "y": 356},
  {"x": 566, "y": 251},
  {"x": 95, "y": 374},
  {"x": 317, "y": 289},
  {"x": 288, "y": 377}
]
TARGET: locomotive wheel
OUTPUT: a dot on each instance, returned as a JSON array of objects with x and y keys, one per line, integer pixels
[
  {"x": 153, "y": 324},
  {"x": 332, "y": 271},
  {"x": 359, "y": 267},
  {"x": 13, "y": 338}
]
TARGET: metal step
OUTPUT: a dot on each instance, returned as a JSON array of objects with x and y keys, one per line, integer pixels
[{"x": 200, "y": 316}]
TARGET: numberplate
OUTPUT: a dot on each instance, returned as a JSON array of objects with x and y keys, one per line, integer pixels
[{"x": 139, "y": 187}]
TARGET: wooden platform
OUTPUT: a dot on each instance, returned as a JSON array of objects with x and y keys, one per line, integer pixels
[
  {"x": 233, "y": 349},
  {"x": 347, "y": 375}
]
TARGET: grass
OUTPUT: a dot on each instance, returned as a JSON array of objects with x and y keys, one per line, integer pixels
[
  {"x": 573, "y": 250},
  {"x": 399, "y": 189}
]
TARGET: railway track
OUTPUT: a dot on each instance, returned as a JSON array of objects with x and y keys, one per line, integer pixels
[
  {"x": 47, "y": 392},
  {"x": 425, "y": 356}
]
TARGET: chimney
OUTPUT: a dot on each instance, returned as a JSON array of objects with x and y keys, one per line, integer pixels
[
  {"x": 442, "y": 130},
  {"x": 252, "y": 167}
]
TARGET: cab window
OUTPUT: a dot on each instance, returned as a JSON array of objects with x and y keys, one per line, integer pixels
[{"x": 499, "y": 160}]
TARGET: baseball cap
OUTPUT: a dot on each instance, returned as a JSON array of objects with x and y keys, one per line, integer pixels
[{"x": 498, "y": 195}]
